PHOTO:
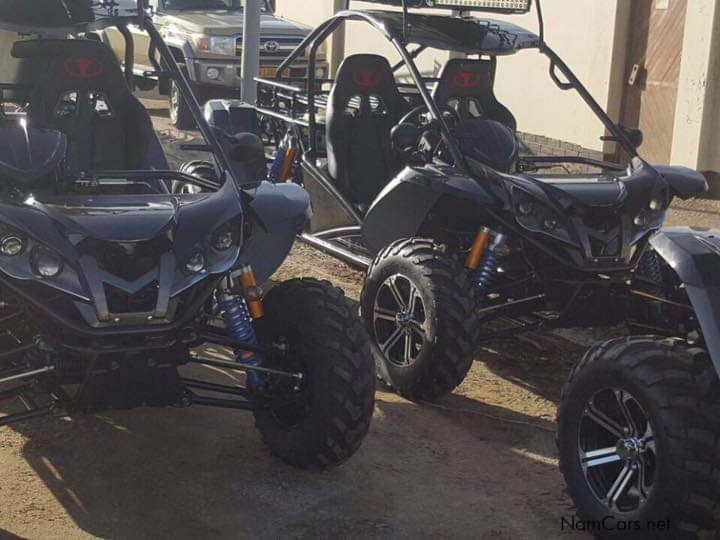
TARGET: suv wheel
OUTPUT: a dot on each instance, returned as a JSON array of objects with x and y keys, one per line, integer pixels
[{"x": 180, "y": 115}]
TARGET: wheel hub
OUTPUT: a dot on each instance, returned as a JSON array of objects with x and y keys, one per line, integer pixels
[
  {"x": 629, "y": 449},
  {"x": 399, "y": 320},
  {"x": 404, "y": 317}
]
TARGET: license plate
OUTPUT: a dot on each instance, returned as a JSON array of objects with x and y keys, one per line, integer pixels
[{"x": 269, "y": 72}]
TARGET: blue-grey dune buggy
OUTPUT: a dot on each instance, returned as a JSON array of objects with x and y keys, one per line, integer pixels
[
  {"x": 110, "y": 282},
  {"x": 467, "y": 238}
]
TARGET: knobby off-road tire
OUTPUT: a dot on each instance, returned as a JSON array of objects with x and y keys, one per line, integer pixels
[
  {"x": 677, "y": 388},
  {"x": 441, "y": 352},
  {"x": 326, "y": 340}
]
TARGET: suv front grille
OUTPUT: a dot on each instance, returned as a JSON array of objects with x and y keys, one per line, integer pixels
[{"x": 285, "y": 45}]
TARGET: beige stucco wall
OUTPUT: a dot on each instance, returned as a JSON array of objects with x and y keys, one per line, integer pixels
[
  {"x": 696, "y": 137},
  {"x": 581, "y": 31}
]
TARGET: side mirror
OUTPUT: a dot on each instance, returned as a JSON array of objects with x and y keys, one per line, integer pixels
[{"x": 634, "y": 135}]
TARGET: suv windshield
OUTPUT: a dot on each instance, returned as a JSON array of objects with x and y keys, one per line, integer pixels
[
  {"x": 203, "y": 4},
  {"x": 211, "y": 4}
]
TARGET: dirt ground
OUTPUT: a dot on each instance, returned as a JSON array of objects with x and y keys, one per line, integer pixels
[{"x": 479, "y": 464}]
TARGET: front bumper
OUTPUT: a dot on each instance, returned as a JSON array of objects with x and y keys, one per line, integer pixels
[{"x": 227, "y": 73}]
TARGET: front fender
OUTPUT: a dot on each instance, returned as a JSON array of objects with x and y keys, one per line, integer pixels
[
  {"x": 280, "y": 212},
  {"x": 403, "y": 206},
  {"x": 694, "y": 254}
]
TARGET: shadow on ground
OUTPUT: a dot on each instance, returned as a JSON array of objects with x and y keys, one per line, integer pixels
[{"x": 424, "y": 471}]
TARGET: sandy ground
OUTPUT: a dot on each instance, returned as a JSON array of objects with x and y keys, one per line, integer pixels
[{"x": 479, "y": 464}]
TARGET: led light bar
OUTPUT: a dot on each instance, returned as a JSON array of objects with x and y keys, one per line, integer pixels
[{"x": 498, "y": 6}]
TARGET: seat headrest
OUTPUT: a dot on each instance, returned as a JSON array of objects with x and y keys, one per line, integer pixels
[
  {"x": 73, "y": 63},
  {"x": 365, "y": 75},
  {"x": 465, "y": 78}
]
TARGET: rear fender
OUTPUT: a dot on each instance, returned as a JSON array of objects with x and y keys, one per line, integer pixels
[
  {"x": 695, "y": 256},
  {"x": 403, "y": 206}
]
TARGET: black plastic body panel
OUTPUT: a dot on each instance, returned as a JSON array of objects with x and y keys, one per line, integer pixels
[
  {"x": 694, "y": 254},
  {"x": 685, "y": 183},
  {"x": 281, "y": 211},
  {"x": 403, "y": 206}
]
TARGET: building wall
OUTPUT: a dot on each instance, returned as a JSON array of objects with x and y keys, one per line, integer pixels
[{"x": 696, "y": 137}]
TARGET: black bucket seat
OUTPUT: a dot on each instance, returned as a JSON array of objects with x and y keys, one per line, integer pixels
[
  {"x": 80, "y": 90},
  {"x": 468, "y": 87},
  {"x": 363, "y": 107}
]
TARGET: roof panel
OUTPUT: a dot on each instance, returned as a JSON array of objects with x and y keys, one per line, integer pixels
[{"x": 470, "y": 35}]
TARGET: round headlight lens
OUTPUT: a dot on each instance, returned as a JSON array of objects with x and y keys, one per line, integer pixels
[
  {"x": 655, "y": 205},
  {"x": 12, "y": 245},
  {"x": 526, "y": 208},
  {"x": 223, "y": 240},
  {"x": 549, "y": 223},
  {"x": 196, "y": 263},
  {"x": 213, "y": 73},
  {"x": 47, "y": 264}
]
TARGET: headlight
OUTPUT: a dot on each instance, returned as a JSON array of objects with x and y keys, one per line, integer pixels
[
  {"x": 525, "y": 208},
  {"x": 640, "y": 220},
  {"x": 656, "y": 204},
  {"x": 215, "y": 44},
  {"x": 45, "y": 263},
  {"x": 12, "y": 245},
  {"x": 223, "y": 239},
  {"x": 549, "y": 223},
  {"x": 195, "y": 263}
]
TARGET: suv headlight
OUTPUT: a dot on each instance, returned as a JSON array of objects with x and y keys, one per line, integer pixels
[{"x": 214, "y": 44}]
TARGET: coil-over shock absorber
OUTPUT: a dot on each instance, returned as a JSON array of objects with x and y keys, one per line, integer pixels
[
  {"x": 281, "y": 167},
  {"x": 484, "y": 258},
  {"x": 238, "y": 312}
]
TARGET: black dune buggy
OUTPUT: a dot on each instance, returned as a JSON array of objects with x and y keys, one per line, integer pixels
[
  {"x": 466, "y": 239},
  {"x": 110, "y": 281}
]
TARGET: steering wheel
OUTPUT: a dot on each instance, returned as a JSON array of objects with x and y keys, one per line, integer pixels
[
  {"x": 413, "y": 117},
  {"x": 415, "y": 140}
]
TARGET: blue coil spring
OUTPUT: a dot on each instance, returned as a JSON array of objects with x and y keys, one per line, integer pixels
[
  {"x": 240, "y": 327},
  {"x": 277, "y": 163},
  {"x": 485, "y": 274}
]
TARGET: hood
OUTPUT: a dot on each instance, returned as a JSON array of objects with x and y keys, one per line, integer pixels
[
  {"x": 115, "y": 220},
  {"x": 83, "y": 230},
  {"x": 230, "y": 22}
]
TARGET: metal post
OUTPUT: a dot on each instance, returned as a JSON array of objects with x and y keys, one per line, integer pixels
[
  {"x": 250, "y": 50},
  {"x": 337, "y": 48}
]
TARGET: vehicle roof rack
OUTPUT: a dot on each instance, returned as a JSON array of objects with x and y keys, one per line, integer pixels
[
  {"x": 518, "y": 7},
  {"x": 492, "y": 6}
]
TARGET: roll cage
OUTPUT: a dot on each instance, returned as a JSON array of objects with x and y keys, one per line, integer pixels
[{"x": 458, "y": 33}]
